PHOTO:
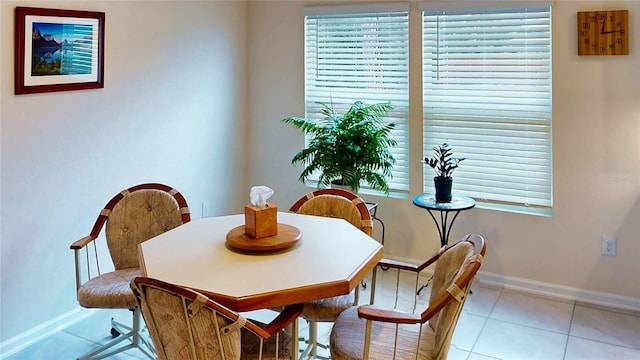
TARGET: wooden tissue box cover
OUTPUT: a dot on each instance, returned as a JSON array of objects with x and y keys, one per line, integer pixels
[{"x": 261, "y": 222}]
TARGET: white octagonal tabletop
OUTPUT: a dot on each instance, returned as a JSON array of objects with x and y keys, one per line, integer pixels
[{"x": 331, "y": 259}]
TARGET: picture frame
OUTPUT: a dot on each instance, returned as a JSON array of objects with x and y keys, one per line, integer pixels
[{"x": 58, "y": 50}]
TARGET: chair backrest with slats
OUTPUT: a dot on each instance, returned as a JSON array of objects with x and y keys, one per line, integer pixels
[
  {"x": 395, "y": 332},
  {"x": 336, "y": 203},
  {"x": 186, "y": 325},
  {"x": 137, "y": 214},
  {"x": 461, "y": 260}
]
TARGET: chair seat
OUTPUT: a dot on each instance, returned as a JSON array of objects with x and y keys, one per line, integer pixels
[
  {"x": 347, "y": 339},
  {"x": 327, "y": 310},
  {"x": 109, "y": 291}
]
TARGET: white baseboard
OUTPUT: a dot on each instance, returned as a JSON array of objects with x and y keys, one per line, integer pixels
[
  {"x": 33, "y": 335},
  {"x": 560, "y": 292}
]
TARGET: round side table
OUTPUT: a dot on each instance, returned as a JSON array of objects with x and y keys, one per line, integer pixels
[{"x": 457, "y": 204}]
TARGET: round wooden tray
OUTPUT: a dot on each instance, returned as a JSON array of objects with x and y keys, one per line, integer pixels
[{"x": 287, "y": 236}]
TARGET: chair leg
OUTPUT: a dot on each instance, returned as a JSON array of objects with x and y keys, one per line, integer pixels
[
  {"x": 140, "y": 338},
  {"x": 131, "y": 333},
  {"x": 293, "y": 329},
  {"x": 313, "y": 338},
  {"x": 311, "y": 351}
]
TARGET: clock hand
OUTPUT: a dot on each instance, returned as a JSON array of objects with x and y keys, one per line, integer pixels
[{"x": 602, "y": 32}]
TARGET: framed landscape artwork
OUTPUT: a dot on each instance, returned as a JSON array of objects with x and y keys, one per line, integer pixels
[{"x": 58, "y": 50}]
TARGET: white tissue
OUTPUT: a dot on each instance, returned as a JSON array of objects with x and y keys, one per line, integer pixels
[{"x": 259, "y": 195}]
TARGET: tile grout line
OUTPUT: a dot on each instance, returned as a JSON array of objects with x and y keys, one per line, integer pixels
[
  {"x": 566, "y": 343},
  {"x": 483, "y": 326}
]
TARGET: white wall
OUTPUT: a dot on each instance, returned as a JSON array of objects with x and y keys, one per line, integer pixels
[
  {"x": 172, "y": 111},
  {"x": 596, "y": 153}
]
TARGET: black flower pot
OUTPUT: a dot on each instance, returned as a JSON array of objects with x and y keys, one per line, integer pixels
[{"x": 443, "y": 188}]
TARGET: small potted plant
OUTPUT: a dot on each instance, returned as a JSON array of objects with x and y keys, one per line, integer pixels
[
  {"x": 443, "y": 163},
  {"x": 349, "y": 149}
]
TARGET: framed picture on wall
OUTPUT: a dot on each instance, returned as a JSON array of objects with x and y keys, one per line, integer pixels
[{"x": 58, "y": 50}]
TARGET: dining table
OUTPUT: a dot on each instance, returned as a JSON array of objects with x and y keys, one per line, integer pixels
[{"x": 330, "y": 257}]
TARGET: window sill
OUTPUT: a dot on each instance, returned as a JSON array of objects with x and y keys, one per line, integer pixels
[{"x": 516, "y": 209}]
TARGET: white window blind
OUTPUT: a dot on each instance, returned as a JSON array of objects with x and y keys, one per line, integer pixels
[
  {"x": 361, "y": 55},
  {"x": 487, "y": 92}
]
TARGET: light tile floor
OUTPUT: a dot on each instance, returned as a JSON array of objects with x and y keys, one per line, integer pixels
[{"x": 495, "y": 324}]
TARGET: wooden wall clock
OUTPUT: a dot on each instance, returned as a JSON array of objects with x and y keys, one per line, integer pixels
[{"x": 603, "y": 32}]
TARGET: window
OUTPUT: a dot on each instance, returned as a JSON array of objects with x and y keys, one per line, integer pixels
[
  {"x": 356, "y": 54},
  {"x": 487, "y": 92}
]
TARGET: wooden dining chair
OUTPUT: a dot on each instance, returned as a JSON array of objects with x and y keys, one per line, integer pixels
[
  {"x": 372, "y": 332},
  {"x": 186, "y": 325},
  {"x": 132, "y": 216},
  {"x": 335, "y": 203}
]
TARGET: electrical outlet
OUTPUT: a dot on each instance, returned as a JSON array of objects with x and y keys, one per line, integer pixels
[
  {"x": 608, "y": 246},
  {"x": 206, "y": 210}
]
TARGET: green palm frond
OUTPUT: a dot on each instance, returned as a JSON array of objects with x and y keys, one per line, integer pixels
[{"x": 353, "y": 147}]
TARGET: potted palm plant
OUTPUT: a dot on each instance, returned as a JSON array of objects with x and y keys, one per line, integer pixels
[
  {"x": 443, "y": 163},
  {"x": 349, "y": 149}
]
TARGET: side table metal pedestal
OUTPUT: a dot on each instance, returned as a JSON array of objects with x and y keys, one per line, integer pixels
[{"x": 443, "y": 222}]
